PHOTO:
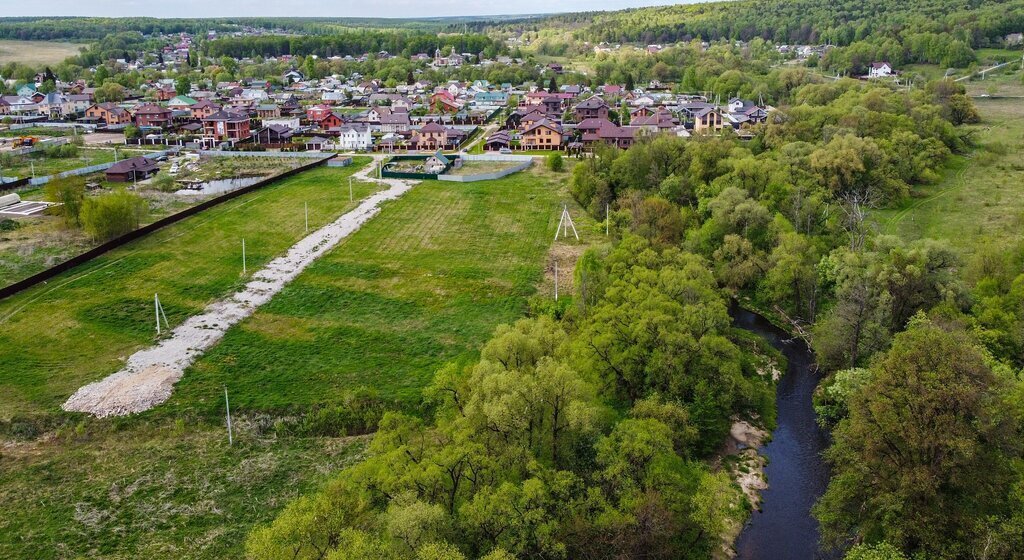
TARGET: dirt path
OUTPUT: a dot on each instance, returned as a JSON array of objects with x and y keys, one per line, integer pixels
[{"x": 150, "y": 374}]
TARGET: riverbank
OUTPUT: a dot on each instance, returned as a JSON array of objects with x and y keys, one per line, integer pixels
[{"x": 795, "y": 472}]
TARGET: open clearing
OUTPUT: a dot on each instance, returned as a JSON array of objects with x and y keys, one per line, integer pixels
[
  {"x": 81, "y": 325},
  {"x": 981, "y": 197},
  {"x": 36, "y": 52},
  {"x": 424, "y": 282}
]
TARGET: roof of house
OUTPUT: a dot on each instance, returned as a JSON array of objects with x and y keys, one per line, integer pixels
[
  {"x": 432, "y": 127},
  {"x": 151, "y": 109},
  {"x": 226, "y": 116},
  {"x": 593, "y": 102},
  {"x": 544, "y": 123},
  {"x": 140, "y": 164}
]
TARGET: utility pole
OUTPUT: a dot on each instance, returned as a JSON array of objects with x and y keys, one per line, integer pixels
[
  {"x": 556, "y": 280},
  {"x": 243, "y": 257},
  {"x": 350, "y": 189},
  {"x": 307, "y": 216},
  {"x": 227, "y": 408},
  {"x": 159, "y": 312},
  {"x": 607, "y": 220}
]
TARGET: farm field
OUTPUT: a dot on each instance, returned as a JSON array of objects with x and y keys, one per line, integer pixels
[
  {"x": 979, "y": 198},
  {"x": 422, "y": 283},
  {"x": 78, "y": 327},
  {"x": 36, "y": 52}
]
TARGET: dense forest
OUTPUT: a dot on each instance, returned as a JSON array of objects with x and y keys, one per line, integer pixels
[
  {"x": 91, "y": 28},
  {"x": 842, "y": 22},
  {"x": 353, "y": 43}
]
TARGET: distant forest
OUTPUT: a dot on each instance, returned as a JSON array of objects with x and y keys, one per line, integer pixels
[{"x": 840, "y": 22}]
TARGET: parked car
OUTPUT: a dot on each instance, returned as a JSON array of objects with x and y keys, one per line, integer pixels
[{"x": 505, "y": 151}]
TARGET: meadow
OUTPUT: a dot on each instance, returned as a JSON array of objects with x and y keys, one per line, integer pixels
[
  {"x": 36, "y": 52},
  {"x": 81, "y": 325},
  {"x": 423, "y": 283},
  {"x": 979, "y": 198}
]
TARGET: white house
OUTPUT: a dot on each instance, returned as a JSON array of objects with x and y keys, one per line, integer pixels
[
  {"x": 355, "y": 137},
  {"x": 880, "y": 70}
]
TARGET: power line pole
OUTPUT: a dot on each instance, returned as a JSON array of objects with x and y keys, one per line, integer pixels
[
  {"x": 350, "y": 189},
  {"x": 227, "y": 408},
  {"x": 307, "y": 216},
  {"x": 556, "y": 280},
  {"x": 159, "y": 312},
  {"x": 607, "y": 220},
  {"x": 243, "y": 257}
]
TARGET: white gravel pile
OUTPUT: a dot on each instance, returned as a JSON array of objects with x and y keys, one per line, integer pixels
[{"x": 150, "y": 374}]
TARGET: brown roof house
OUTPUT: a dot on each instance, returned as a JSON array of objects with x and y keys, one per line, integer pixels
[
  {"x": 134, "y": 169},
  {"x": 110, "y": 113},
  {"x": 152, "y": 115}
]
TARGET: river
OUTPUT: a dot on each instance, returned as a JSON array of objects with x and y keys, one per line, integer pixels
[{"x": 797, "y": 475}]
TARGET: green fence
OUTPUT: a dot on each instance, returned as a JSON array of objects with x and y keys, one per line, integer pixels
[{"x": 388, "y": 174}]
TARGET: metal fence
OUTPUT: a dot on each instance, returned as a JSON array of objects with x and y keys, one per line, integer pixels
[
  {"x": 36, "y": 181},
  {"x": 228, "y": 153},
  {"x": 143, "y": 231},
  {"x": 523, "y": 163}
]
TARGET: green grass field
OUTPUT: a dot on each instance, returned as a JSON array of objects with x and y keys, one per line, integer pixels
[
  {"x": 23, "y": 166},
  {"x": 424, "y": 282},
  {"x": 981, "y": 196},
  {"x": 81, "y": 325}
]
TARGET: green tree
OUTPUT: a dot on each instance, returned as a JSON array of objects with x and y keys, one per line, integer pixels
[
  {"x": 908, "y": 460},
  {"x": 183, "y": 85},
  {"x": 108, "y": 216},
  {"x": 70, "y": 194}
]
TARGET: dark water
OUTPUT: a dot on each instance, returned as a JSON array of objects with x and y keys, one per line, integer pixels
[
  {"x": 218, "y": 186},
  {"x": 797, "y": 474}
]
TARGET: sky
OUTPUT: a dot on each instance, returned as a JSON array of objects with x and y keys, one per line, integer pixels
[{"x": 308, "y": 8}]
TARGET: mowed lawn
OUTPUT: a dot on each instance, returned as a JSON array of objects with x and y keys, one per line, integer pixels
[
  {"x": 422, "y": 284},
  {"x": 82, "y": 325},
  {"x": 981, "y": 196}
]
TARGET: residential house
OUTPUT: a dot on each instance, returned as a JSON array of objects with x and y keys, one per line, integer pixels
[
  {"x": 152, "y": 115},
  {"x": 134, "y": 169},
  {"x": 273, "y": 136},
  {"x": 880, "y": 70},
  {"x": 226, "y": 126},
  {"x": 317, "y": 113},
  {"x": 202, "y": 109},
  {"x": 110, "y": 114},
  {"x": 395, "y": 122},
  {"x": 591, "y": 108},
  {"x": 332, "y": 120},
  {"x": 708, "y": 119},
  {"x": 431, "y": 136},
  {"x": 544, "y": 135},
  {"x": 355, "y": 137},
  {"x": 268, "y": 111},
  {"x": 181, "y": 103}
]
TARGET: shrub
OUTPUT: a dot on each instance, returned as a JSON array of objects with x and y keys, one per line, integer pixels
[
  {"x": 555, "y": 162},
  {"x": 106, "y": 217},
  {"x": 8, "y": 224}
]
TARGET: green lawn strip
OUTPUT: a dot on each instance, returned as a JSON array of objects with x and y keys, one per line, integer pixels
[
  {"x": 80, "y": 326},
  {"x": 423, "y": 283},
  {"x": 176, "y": 491}
]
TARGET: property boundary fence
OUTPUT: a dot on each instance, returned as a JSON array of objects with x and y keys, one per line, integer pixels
[
  {"x": 230, "y": 153},
  {"x": 414, "y": 176},
  {"x": 143, "y": 231},
  {"x": 523, "y": 163},
  {"x": 36, "y": 181}
]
